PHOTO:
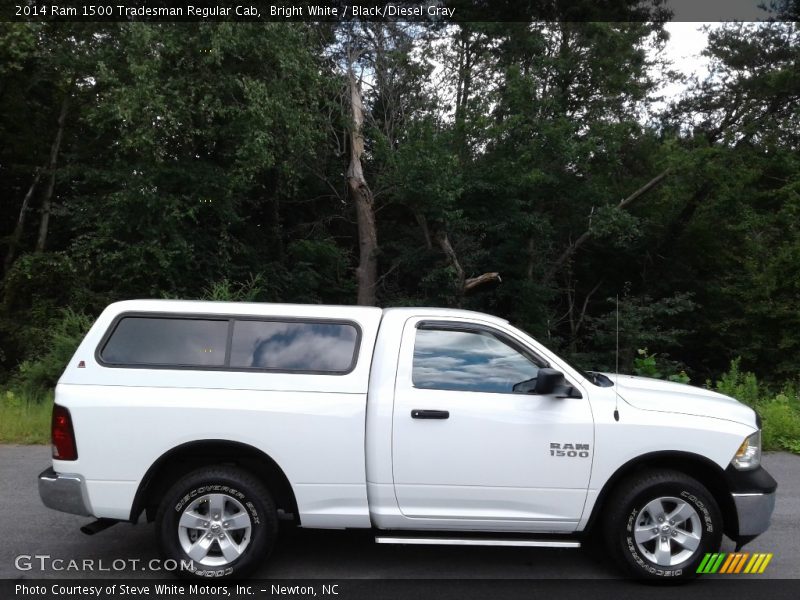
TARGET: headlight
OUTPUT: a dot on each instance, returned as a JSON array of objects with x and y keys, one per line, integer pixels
[{"x": 748, "y": 456}]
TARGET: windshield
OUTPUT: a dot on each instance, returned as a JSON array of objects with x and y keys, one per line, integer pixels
[{"x": 594, "y": 377}]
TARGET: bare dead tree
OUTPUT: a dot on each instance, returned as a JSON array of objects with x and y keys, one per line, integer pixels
[{"x": 359, "y": 191}]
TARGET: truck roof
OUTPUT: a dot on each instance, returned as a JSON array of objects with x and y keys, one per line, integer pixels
[
  {"x": 443, "y": 312},
  {"x": 306, "y": 310}
]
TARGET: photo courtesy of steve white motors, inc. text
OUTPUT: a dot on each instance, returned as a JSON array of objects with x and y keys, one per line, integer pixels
[{"x": 138, "y": 590}]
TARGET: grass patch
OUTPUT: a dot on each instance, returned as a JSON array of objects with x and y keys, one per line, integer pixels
[{"x": 25, "y": 419}]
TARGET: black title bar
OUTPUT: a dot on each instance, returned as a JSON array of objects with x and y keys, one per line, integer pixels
[{"x": 433, "y": 11}]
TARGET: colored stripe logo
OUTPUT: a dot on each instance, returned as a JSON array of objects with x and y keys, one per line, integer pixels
[{"x": 734, "y": 562}]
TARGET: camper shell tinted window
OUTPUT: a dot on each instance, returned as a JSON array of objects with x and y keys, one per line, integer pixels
[
  {"x": 145, "y": 341},
  {"x": 231, "y": 343},
  {"x": 293, "y": 346}
]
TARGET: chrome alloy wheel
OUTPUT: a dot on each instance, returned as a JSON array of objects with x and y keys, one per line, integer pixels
[
  {"x": 667, "y": 531},
  {"x": 214, "y": 530}
]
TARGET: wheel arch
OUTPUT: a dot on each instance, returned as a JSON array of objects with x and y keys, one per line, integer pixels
[
  {"x": 705, "y": 471},
  {"x": 191, "y": 455}
]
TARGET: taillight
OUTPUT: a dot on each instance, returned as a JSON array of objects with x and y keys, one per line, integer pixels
[{"x": 64, "y": 447}]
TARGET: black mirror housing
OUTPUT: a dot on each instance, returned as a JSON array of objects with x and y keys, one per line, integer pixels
[
  {"x": 547, "y": 380},
  {"x": 550, "y": 381}
]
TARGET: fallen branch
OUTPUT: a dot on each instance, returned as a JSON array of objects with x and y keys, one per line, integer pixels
[
  {"x": 584, "y": 237},
  {"x": 474, "y": 282},
  {"x": 465, "y": 285}
]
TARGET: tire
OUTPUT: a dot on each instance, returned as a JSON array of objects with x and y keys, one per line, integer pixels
[
  {"x": 216, "y": 522},
  {"x": 643, "y": 538}
]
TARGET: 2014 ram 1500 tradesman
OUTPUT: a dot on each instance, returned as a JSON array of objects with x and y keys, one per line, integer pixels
[{"x": 426, "y": 425}]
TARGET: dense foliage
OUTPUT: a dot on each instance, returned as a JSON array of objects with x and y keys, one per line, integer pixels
[{"x": 211, "y": 160}]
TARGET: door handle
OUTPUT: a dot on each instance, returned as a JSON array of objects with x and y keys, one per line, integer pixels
[{"x": 429, "y": 414}]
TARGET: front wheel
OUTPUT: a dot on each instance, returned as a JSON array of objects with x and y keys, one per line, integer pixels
[
  {"x": 216, "y": 522},
  {"x": 661, "y": 524}
]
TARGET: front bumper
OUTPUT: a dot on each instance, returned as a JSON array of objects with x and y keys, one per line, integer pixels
[
  {"x": 753, "y": 495},
  {"x": 753, "y": 512},
  {"x": 65, "y": 492}
]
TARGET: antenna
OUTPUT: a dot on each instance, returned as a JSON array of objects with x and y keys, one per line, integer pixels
[{"x": 616, "y": 371}]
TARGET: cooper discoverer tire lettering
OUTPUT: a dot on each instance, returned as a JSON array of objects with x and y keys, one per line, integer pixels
[
  {"x": 660, "y": 525},
  {"x": 220, "y": 521}
]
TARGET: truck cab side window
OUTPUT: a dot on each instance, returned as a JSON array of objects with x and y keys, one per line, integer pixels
[{"x": 472, "y": 361}]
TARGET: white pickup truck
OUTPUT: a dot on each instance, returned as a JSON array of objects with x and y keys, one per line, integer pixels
[{"x": 426, "y": 425}]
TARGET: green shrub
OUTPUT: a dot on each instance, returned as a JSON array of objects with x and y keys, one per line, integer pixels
[
  {"x": 739, "y": 385},
  {"x": 781, "y": 424},
  {"x": 644, "y": 364},
  {"x": 39, "y": 375},
  {"x": 655, "y": 366},
  {"x": 229, "y": 291},
  {"x": 780, "y": 413},
  {"x": 34, "y": 293}
]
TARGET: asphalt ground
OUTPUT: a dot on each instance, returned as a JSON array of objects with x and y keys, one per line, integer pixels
[{"x": 29, "y": 529}]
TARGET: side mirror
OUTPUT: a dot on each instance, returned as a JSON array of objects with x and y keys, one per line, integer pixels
[
  {"x": 551, "y": 381},
  {"x": 547, "y": 380}
]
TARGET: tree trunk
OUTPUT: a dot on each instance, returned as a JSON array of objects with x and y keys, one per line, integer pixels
[
  {"x": 531, "y": 259},
  {"x": 52, "y": 164},
  {"x": 16, "y": 236},
  {"x": 576, "y": 321},
  {"x": 277, "y": 229},
  {"x": 676, "y": 229},
  {"x": 361, "y": 195},
  {"x": 423, "y": 224},
  {"x": 464, "y": 285},
  {"x": 447, "y": 248},
  {"x": 463, "y": 91}
]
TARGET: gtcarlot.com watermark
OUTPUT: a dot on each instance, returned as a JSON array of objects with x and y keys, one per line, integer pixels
[{"x": 46, "y": 562}]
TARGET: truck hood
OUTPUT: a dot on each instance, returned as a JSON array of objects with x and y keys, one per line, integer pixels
[{"x": 667, "y": 396}]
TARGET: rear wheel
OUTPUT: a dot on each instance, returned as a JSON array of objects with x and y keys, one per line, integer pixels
[
  {"x": 661, "y": 524},
  {"x": 217, "y": 522}
]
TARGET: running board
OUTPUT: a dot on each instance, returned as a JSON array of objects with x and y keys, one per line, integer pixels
[{"x": 436, "y": 541}]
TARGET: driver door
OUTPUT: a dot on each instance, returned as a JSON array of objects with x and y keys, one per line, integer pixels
[{"x": 471, "y": 444}]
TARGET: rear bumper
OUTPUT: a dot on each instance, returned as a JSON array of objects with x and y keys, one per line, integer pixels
[
  {"x": 753, "y": 495},
  {"x": 65, "y": 492}
]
